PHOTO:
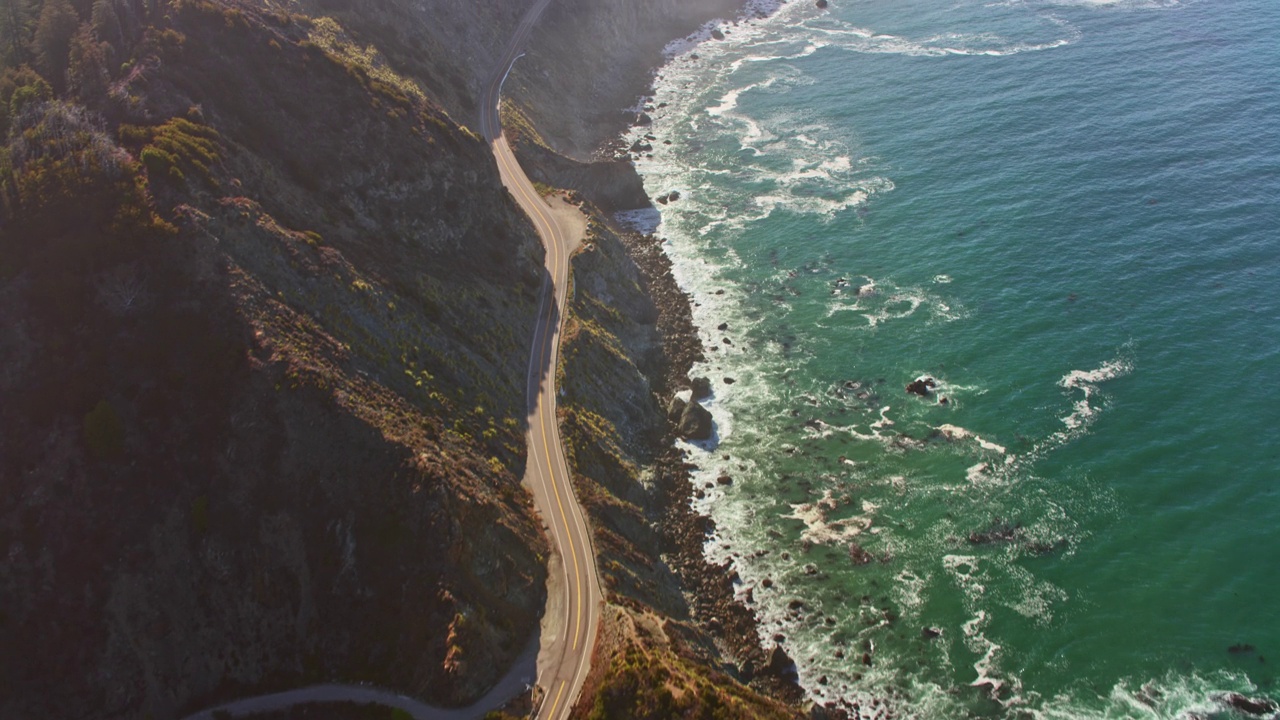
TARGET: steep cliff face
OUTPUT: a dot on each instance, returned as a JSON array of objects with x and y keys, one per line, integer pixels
[
  {"x": 587, "y": 60},
  {"x": 263, "y": 337},
  {"x": 592, "y": 58}
]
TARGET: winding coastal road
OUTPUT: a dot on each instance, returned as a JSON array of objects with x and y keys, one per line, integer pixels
[
  {"x": 560, "y": 654},
  {"x": 574, "y": 598}
]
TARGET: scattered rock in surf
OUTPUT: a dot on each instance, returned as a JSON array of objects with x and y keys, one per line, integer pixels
[
  {"x": 701, "y": 388},
  {"x": 640, "y": 146},
  {"x": 822, "y": 4},
  {"x": 922, "y": 386},
  {"x": 722, "y": 326},
  {"x": 796, "y": 604},
  {"x": 695, "y": 421},
  {"x": 767, "y": 582},
  {"x": 673, "y": 196},
  {"x": 717, "y": 34},
  {"x": 644, "y": 120},
  {"x": 998, "y": 532},
  {"x": 1248, "y": 705},
  {"x": 693, "y": 56},
  {"x": 866, "y": 658},
  {"x": 1240, "y": 649},
  {"x": 729, "y": 381},
  {"x": 858, "y": 555},
  {"x": 724, "y": 480},
  {"x": 943, "y": 401},
  {"x": 930, "y": 633}
]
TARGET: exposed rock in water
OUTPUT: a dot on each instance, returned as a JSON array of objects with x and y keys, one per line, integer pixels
[
  {"x": 644, "y": 120},
  {"x": 695, "y": 421},
  {"x": 717, "y": 34},
  {"x": 822, "y": 4},
  {"x": 931, "y": 633},
  {"x": 1248, "y": 705},
  {"x": 725, "y": 480},
  {"x": 922, "y": 386},
  {"x": 999, "y": 531},
  {"x": 858, "y": 555},
  {"x": 701, "y": 388},
  {"x": 729, "y": 381}
]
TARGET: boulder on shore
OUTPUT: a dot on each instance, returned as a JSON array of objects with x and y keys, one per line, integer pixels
[
  {"x": 695, "y": 421},
  {"x": 701, "y": 388},
  {"x": 675, "y": 408},
  {"x": 780, "y": 664}
]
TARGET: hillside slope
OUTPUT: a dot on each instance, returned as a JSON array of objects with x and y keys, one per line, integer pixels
[{"x": 263, "y": 345}]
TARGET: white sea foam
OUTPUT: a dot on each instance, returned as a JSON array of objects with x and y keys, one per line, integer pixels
[
  {"x": 955, "y": 432},
  {"x": 1087, "y": 381},
  {"x": 864, "y": 40},
  {"x": 820, "y": 529}
]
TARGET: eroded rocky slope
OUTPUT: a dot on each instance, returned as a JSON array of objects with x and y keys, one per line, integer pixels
[{"x": 263, "y": 347}]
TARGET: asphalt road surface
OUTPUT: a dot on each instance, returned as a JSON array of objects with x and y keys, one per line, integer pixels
[{"x": 573, "y": 607}]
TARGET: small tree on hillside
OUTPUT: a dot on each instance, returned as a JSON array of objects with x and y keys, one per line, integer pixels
[{"x": 52, "y": 41}]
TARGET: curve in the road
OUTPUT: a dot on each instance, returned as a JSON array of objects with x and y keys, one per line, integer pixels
[
  {"x": 561, "y": 658},
  {"x": 568, "y": 640}
]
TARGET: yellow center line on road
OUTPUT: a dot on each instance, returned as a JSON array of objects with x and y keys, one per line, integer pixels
[
  {"x": 532, "y": 201},
  {"x": 556, "y": 702}
]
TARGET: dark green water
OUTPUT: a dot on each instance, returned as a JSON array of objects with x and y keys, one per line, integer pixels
[{"x": 1069, "y": 215}]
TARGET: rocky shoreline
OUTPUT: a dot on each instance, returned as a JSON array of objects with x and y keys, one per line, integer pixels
[{"x": 709, "y": 587}]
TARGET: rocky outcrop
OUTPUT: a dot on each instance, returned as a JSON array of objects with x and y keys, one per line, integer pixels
[
  {"x": 1250, "y": 706},
  {"x": 922, "y": 386},
  {"x": 695, "y": 422},
  {"x": 780, "y": 664}
]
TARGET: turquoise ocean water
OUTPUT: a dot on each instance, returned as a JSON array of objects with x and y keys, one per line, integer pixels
[{"x": 1068, "y": 213}]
